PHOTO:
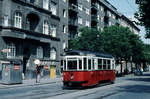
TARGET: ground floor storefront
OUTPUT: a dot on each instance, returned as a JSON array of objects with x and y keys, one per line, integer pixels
[{"x": 26, "y": 51}]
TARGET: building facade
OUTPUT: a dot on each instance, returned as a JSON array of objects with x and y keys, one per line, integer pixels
[
  {"x": 90, "y": 13},
  {"x": 126, "y": 22},
  {"x": 30, "y": 29}
]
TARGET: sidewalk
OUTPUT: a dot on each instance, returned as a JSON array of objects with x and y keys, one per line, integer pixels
[{"x": 32, "y": 82}]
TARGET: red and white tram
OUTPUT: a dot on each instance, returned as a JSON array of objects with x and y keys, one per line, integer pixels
[{"x": 84, "y": 68}]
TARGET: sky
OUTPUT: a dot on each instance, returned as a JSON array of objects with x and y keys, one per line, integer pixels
[{"x": 128, "y": 8}]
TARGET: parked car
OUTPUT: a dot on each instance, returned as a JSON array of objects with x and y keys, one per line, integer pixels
[
  {"x": 146, "y": 69},
  {"x": 138, "y": 72}
]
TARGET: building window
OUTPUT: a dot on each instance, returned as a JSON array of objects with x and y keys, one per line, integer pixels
[
  {"x": 45, "y": 28},
  {"x": 64, "y": 29},
  {"x": 64, "y": 13},
  {"x": 80, "y": 7},
  {"x": 39, "y": 52},
  {"x": 18, "y": 20},
  {"x": 98, "y": 6},
  {"x": 79, "y": 20},
  {"x": 98, "y": 17},
  {"x": 64, "y": 45},
  {"x": 53, "y": 8},
  {"x": 53, "y": 54},
  {"x": 53, "y": 30},
  {"x": 110, "y": 24},
  {"x": 46, "y": 4},
  {"x": 6, "y": 20},
  {"x": 32, "y": 1},
  {"x": 87, "y": 11},
  {"x": 102, "y": 9},
  {"x": 87, "y": 23},
  {"x": 102, "y": 19},
  {"x": 12, "y": 50},
  {"x": 88, "y": 0}
]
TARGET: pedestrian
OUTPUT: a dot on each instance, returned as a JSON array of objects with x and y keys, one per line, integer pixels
[{"x": 38, "y": 74}]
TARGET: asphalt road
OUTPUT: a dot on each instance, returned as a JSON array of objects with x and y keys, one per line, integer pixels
[{"x": 128, "y": 87}]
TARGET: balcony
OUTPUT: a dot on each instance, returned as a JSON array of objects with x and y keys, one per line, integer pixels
[
  {"x": 13, "y": 32},
  {"x": 73, "y": 22},
  {"x": 106, "y": 14},
  {"x": 94, "y": 18},
  {"x": 73, "y": 7},
  {"x": 106, "y": 25},
  {"x": 94, "y": 6},
  {"x": 117, "y": 22}
]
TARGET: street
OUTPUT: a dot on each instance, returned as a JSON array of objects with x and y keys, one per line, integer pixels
[{"x": 128, "y": 87}]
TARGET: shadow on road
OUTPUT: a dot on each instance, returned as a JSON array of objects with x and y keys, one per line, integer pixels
[
  {"x": 135, "y": 89},
  {"x": 144, "y": 77},
  {"x": 140, "y": 79}
]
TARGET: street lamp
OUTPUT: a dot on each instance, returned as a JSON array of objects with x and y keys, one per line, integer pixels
[{"x": 37, "y": 63}]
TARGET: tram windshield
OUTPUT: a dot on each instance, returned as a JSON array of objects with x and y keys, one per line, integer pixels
[{"x": 72, "y": 64}]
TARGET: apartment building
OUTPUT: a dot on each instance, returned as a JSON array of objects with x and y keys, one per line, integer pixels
[
  {"x": 90, "y": 13},
  {"x": 126, "y": 22},
  {"x": 31, "y": 29}
]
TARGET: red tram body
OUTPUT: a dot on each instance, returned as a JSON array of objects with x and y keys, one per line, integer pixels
[{"x": 87, "y": 69}]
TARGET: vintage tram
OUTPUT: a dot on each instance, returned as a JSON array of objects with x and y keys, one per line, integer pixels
[{"x": 85, "y": 68}]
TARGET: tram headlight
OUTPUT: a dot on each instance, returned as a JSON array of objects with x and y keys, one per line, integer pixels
[{"x": 72, "y": 77}]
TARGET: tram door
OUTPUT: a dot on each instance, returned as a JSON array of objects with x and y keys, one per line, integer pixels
[{"x": 53, "y": 72}]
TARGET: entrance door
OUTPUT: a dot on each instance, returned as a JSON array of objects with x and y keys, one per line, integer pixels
[
  {"x": 53, "y": 72},
  {"x": 26, "y": 55}
]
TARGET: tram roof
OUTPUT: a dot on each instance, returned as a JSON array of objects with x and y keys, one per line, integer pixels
[{"x": 88, "y": 53}]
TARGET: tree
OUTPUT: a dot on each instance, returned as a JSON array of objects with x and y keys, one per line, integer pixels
[
  {"x": 116, "y": 42},
  {"x": 89, "y": 39},
  {"x": 143, "y": 15}
]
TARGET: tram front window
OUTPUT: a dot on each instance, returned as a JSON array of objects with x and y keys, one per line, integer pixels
[{"x": 72, "y": 64}]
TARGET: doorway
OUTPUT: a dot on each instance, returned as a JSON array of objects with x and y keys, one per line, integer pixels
[
  {"x": 26, "y": 56},
  {"x": 53, "y": 72}
]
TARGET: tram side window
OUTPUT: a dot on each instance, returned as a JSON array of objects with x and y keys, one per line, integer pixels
[
  {"x": 85, "y": 63},
  {"x": 113, "y": 64},
  {"x": 89, "y": 64},
  {"x": 108, "y": 64},
  {"x": 72, "y": 64},
  {"x": 104, "y": 65},
  {"x": 99, "y": 63},
  {"x": 80, "y": 64}
]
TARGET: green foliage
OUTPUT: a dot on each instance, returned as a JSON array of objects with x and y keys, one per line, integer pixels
[
  {"x": 143, "y": 15},
  {"x": 89, "y": 39},
  {"x": 115, "y": 40}
]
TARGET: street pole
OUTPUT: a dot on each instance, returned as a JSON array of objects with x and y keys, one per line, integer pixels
[
  {"x": 36, "y": 72},
  {"x": 37, "y": 63}
]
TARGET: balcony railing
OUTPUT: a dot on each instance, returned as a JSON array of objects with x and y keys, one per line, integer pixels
[
  {"x": 73, "y": 22},
  {"x": 94, "y": 18},
  {"x": 106, "y": 14},
  {"x": 73, "y": 7},
  {"x": 117, "y": 21},
  {"x": 94, "y": 6}
]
